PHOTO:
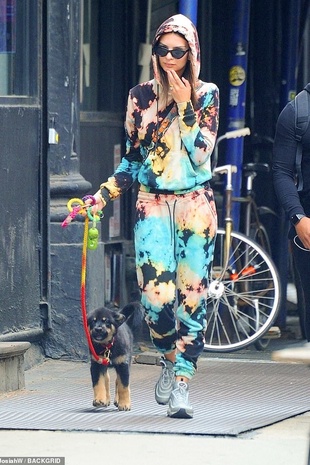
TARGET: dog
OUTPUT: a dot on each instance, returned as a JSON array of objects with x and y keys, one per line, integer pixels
[{"x": 111, "y": 332}]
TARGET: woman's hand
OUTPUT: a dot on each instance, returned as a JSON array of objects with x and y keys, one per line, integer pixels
[
  {"x": 180, "y": 88},
  {"x": 99, "y": 205}
]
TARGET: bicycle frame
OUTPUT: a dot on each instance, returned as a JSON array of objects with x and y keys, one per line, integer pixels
[
  {"x": 228, "y": 220},
  {"x": 228, "y": 170}
]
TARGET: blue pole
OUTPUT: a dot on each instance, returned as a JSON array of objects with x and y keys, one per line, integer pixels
[
  {"x": 189, "y": 8},
  {"x": 237, "y": 95},
  {"x": 290, "y": 54}
]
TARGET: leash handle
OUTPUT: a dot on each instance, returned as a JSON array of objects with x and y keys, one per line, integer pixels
[{"x": 81, "y": 208}]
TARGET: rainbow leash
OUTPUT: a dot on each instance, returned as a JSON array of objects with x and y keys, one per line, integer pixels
[{"x": 90, "y": 241}]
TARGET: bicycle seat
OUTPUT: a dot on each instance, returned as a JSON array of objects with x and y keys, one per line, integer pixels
[{"x": 255, "y": 168}]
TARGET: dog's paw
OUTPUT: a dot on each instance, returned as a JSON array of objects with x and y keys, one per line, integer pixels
[
  {"x": 122, "y": 406},
  {"x": 101, "y": 403}
]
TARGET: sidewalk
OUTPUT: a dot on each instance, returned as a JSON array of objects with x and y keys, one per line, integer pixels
[{"x": 283, "y": 443}]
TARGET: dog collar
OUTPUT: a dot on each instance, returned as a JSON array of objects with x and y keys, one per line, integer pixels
[{"x": 104, "y": 355}]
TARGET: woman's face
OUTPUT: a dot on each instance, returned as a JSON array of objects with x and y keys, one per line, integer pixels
[{"x": 173, "y": 41}]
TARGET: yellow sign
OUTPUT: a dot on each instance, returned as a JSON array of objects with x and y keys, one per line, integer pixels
[{"x": 236, "y": 76}]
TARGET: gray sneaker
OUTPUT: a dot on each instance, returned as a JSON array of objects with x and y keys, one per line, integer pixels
[
  {"x": 165, "y": 383},
  {"x": 179, "y": 406}
]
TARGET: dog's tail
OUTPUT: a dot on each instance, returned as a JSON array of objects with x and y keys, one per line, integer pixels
[{"x": 134, "y": 312}]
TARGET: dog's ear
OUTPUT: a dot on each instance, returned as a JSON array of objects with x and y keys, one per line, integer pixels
[
  {"x": 119, "y": 318},
  {"x": 128, "y": 310},
  {"x": 134, "y": 312}
]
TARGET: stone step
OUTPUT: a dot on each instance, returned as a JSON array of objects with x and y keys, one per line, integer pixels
[{"x": 12, "y": 375}]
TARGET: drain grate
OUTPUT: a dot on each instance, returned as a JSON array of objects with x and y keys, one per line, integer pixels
[{"x": 229, "y": 397}]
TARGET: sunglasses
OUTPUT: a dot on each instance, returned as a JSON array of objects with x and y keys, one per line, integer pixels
[{"x": 176, "y": 53}]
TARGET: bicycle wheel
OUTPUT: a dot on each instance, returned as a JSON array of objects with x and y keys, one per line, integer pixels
[
  {"x": 260, "y": 235},
  {"x": 243, "y": 299}
]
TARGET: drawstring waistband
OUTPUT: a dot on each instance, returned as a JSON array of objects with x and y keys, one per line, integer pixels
[{"x": 150, "y": 190}]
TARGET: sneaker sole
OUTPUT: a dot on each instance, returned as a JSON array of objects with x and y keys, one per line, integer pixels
[
  {"x": 181, "y": 413},
  {"x": 161, "y": 402}
]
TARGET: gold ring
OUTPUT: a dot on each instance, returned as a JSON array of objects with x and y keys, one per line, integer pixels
[{"x": 171, "y": 87}]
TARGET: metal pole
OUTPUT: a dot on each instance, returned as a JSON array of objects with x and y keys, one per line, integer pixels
[
  {"x": 189, "y": 8},
  {"x": 237, "y": 94}
]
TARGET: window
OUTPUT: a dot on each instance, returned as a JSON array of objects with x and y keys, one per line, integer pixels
[
  {"x": 89, "y": 60},
  {"x": 109, "y": 53},
  {"x": 18, "y": 47}
]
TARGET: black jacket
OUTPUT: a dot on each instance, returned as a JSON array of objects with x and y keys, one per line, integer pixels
[{"x": 284, "y": 154}]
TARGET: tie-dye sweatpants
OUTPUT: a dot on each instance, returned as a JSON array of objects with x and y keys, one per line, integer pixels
[{"x": 174, "y": 242}]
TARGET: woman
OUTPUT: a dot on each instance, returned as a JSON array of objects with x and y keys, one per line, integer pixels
[{"x": 171, "y": 126}]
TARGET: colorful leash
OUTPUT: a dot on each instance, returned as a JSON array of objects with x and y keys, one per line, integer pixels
[{"x": 90, "y": 241}]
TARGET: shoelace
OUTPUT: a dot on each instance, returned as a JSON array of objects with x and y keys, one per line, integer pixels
[
  {"x": 167, "y": 375},
  {"x": 181, "y": 392}
]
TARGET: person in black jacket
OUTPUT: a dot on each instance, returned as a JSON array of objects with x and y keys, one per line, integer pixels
[{"x": 295, "y": 202}]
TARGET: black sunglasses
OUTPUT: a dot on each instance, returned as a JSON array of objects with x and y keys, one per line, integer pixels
[{"x": 177, "y": 53}]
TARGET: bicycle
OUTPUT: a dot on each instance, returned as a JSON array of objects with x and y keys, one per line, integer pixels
[
  {"x": 244, "y": 286},
  {"x": 254, "y": 228}
]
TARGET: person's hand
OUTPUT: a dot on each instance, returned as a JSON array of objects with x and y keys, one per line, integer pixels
[
  {"x": 99, "y": 205},
  {"x": 303, "y": 231},
  {"x": 180, "y": 88}
]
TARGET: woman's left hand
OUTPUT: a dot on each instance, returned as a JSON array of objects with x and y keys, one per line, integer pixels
[{"x": 180, "y": 88}]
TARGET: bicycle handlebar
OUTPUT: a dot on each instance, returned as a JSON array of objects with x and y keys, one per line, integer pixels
[
  {"x": 237, "y": 133},
  {"x": 228, "y": 135},
  {"x": 233, "y": 134},
  {"x": 229, "y": 170}
]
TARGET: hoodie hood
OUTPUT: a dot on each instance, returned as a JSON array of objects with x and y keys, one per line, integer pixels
[{"x": 182, "y": 25}]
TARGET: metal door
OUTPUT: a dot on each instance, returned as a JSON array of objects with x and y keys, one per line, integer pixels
[{"x": 23, "y": 265}]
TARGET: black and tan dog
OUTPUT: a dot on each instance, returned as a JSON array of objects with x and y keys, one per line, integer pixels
[{"x": 111, "y": 332}]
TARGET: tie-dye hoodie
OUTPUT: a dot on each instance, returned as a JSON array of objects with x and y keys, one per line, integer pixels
[{"x": 180, "y": 161}]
